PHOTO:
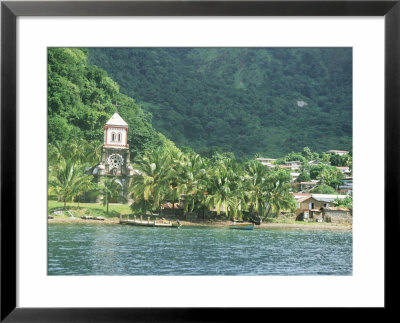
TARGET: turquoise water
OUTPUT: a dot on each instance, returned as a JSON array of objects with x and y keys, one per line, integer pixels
[{"x": 126, "y": 250}]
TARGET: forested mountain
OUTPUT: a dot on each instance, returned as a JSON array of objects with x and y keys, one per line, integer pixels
[
  {"x": 269, "y": 101},
  {"x": 81, "y": 98}
]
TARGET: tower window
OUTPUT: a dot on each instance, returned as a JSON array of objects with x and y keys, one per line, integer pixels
[
  {"x": 113, "y": 137},
  {"x": 119, "y": 137}
]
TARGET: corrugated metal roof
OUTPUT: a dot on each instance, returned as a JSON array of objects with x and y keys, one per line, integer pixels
[
  {"x": 327, "y": 197},
  {"x": 331, "y": 208},
  {"x": 302, "y": 199}
]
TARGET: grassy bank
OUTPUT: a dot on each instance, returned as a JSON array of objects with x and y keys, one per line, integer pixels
[{"x": 93, "y": 209}]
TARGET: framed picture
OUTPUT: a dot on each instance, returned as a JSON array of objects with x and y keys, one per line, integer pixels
[{"x": 369, "y": 30}]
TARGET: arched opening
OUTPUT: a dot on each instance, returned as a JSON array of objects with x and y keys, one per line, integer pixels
[
  {"x": 119, "y": 137},
  {"x": 113, "y": 136}
]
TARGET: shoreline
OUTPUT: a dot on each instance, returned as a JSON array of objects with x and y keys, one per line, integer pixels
[{"x": 217, "y": 224}]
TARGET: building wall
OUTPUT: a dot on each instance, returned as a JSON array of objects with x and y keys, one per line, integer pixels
[
  {"x": 305, "y": 205},
  {"x": 337, "y": 216},
  {"x": 108, "y": 134},
  {"x": 124, "y": 153}
]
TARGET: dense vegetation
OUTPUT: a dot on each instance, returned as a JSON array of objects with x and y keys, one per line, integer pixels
[
  {"x": 81, "y": 98},
  {"x": 242, "y": 100}
]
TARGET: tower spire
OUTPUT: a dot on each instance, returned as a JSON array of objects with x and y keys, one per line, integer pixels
[{"x": 116, "y": 106}]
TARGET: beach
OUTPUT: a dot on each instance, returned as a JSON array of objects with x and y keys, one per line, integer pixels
[{"x": 215, "y": 223}]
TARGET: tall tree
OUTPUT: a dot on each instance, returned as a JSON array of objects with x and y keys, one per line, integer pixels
[
  {"x": 151, "y": 185},
  {"x": 64, "y": 179},
  {"x": 256, "y": 188},
  {"x": 110, "y": 189},
  {"x": 225, "y": 187},
  {"x": 279, "y": 196}
]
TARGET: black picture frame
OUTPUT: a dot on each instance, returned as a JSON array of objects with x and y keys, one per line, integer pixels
[{"x": 10, "y": 10}]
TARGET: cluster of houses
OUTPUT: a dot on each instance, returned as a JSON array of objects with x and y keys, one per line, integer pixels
[
  {"x": 317, "y": 207},
  {"x": 294, "y": 167}
]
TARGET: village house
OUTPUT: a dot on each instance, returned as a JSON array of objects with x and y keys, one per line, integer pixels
[
  {"x": 344, "y": 169},
  {"x": 337, "y": 152},
  {"x": 346, "y": 185},
  {"x": 313, "y": 162},
  {"x": 294, "y": 165},
  {"x": 308, "y": 185},
  {"x": 294, "y": 177},
  {"x": 267, "y": 161},
  {"x": 310, "y": 206}
]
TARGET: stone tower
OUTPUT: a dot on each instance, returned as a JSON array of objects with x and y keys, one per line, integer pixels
[{"x": 115, "y": 156}]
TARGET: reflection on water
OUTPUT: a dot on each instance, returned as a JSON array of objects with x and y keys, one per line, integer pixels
[{"x": 126, "y": 250}]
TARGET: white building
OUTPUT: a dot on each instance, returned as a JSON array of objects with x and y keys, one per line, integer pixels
[
  {"x": 337, "y": 152},
  {"x": 267, "y": 161}
]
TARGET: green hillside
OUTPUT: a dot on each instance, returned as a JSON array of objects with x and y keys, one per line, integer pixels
[
  {"x": 269, "y": 101},
  {"x": 81, "y": 98}
]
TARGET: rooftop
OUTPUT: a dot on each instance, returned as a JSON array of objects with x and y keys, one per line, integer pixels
[
  {"x": 328, "y": 197},
  {"x": 337, "y": 151},
  {"x": 116, "y": 120},
  {"x": 331, "y": 208}
]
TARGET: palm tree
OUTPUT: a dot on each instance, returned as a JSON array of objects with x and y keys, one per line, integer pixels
[
  {"x": 73, "y": 150},
  {"x": 192, "y": 179},
  {"x": 56, "y": 152},
  {"x": 225, "y": 187},
  {"x": 93, "y": 152},
  {"x": 110, "y": 188},
  {"x": 83, "y": 185},
  {"x": 256, "y": 187},
  {"x": 63, "y": 180},
  {"x": 178, "y": 162},
  {"x": 203, "y": 184},
  {"x": 331, "y": 176},
  {"x": 279, "y": 196},
  {"x": 151, "y": 186}
]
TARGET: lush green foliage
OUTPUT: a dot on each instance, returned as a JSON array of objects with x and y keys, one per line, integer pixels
[
  {"x": 81, "y": 98},
  {"x": 346, "y": 202},
  {"x": 324, "y": 189},
  {"x": 219, "y": 184},
  {"x": 110, "y": 189},
  {"x": 242, "y": 100},
  {"x": 67, "y": 161}
]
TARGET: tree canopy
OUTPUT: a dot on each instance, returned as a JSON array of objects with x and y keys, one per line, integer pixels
[
  {"x": 81, "y": 98},
  {"x": 243, "y": 100}
]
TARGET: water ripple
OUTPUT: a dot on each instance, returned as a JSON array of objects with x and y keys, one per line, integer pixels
[{"x": 124, "y": 250}]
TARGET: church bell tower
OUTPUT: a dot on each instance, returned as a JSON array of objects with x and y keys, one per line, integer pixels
[{"x": 115, "y": 157}]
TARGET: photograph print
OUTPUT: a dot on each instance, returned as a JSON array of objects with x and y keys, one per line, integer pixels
[{"x": 200, "y": 161}]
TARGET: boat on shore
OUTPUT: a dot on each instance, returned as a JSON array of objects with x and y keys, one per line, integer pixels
[
  {"x": 241, "y": 226},
  {"x": 89, "y": 217},
  {"x": 151, "y": 223}
]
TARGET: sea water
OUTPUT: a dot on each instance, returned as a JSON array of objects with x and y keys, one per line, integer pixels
[{"x": 82, "y": 249}]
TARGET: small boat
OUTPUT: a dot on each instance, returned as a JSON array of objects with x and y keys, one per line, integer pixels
[
  {"x": 241, "y": 226},
  {"x": 89, "y": 217},
  {"x": 139, "y": 223}
]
